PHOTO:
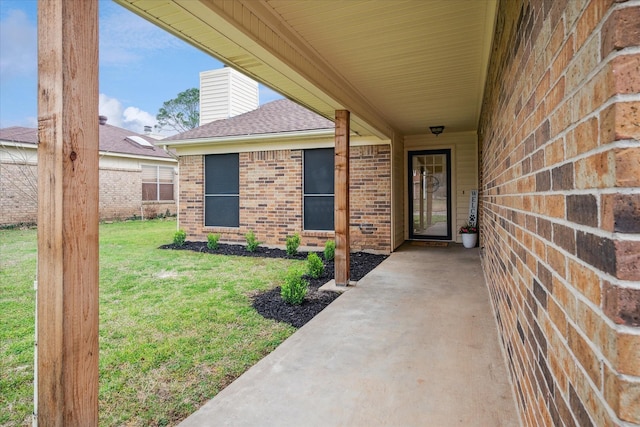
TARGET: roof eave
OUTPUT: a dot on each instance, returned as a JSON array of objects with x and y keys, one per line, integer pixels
[
  {"x": 18, "y": 144},
  {"x": 267, "y": 142},
  {"x": 248, "y": 139},
  {"x": 138, "y": 156},
  {"x": 34, "y": 147}
]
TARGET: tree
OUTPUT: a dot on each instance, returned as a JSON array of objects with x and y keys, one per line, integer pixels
[{"x": 181, "y": 113}]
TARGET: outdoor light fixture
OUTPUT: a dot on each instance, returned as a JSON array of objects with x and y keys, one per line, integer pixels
[{"x": 436, "y": 130}]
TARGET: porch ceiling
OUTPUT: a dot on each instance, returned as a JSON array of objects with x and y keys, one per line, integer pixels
[{"x": 398, "y": 66}]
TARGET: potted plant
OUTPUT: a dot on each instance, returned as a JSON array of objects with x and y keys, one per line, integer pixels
[{"x": 469, "y": 233}]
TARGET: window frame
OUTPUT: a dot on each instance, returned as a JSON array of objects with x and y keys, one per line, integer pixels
[
  {"x": 209, "y": 221},
  {"x": 317, "y": 195},
  {"x": 158, "y": 183}
]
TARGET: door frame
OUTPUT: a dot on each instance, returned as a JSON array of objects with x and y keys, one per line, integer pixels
[{"x": 448, "y": 154}]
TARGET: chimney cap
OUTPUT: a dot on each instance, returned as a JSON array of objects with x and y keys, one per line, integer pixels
[{"x": 102, "y": 120}]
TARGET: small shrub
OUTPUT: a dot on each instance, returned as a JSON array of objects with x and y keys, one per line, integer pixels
[
  {"x": 293, "y": 242},
  {"x": 315, "y": 267},
  {"x": 294, "y": 288},
  {"x": 212, "y": 241},
  {"x": 252, "y": 242},
  {"x": 179, "y": 237},
  {"x": 329, "y": 250},
  {"x": 150, "y": 214}
]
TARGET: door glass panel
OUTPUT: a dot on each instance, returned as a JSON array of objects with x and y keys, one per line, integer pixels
[{"x": 430, "y": 205}]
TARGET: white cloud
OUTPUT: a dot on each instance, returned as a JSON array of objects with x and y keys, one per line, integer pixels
[
  {"x": 126, "y": 38},
  {"x": 136, "y": 119},
  {"x": 112, "y": 108},
  {"x": 131, "y": 118},
  {"x": 18, "y": 46}
]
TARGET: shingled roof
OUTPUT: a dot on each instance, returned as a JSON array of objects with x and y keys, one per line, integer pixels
[
  {"x": 273, "y": 117},
  {"x": 112, "y": 140},
  {"x": 19, "y": 134}
]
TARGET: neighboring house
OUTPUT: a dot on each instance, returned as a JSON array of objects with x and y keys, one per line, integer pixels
[
  {"x": 137, "y": 178},
  {"x": 271, "y": 171}
]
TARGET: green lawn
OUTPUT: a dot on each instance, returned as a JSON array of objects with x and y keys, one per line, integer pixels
[{"x": 175, "y": 326}]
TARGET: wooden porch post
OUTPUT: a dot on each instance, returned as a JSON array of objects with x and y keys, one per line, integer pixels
[
  {"x": 342, "y": 215},
  {"x": 67, "y": 295}
]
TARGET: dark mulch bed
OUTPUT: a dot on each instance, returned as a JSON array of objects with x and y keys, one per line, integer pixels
[{"x": 269, "y": 304}]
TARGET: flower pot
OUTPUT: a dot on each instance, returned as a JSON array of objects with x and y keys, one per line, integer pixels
[{"x": 469, "y": 240}]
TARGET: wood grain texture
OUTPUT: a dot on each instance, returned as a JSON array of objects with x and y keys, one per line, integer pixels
[
  {"x": 342, "y": 198},
  {"x": 67, "y": 303}
]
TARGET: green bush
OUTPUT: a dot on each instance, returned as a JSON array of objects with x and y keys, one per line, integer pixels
[
  {"x": 212, "y": 241},
  {"x": 252, "y": 242},
  {"x": 315, "y": 267},
  {"x": 294, "y": 288},
  {"x": 179, "y": 237},
  {"x": 293, "y": 242},
  {"x": 329, "y": 250}
]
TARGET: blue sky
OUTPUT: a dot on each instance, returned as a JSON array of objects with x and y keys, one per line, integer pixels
[{"x": 141, "y": 66}]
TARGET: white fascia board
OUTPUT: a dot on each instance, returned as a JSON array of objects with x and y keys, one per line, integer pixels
[
  {"x": 16, "y": 144},
  {"x": 138, "y": 157},
  {"x": 247, "y": 139},
  {"x": 267, "y": 142},
  {"x": 27, "y": 145}
]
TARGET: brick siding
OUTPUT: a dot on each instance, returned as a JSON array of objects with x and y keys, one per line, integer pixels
[
  {"x": 271, "y": 199},
  {"x": 18, "y": 193},
  {"x": 560, "y": 171},
  {"x": 120, "y": 192}
]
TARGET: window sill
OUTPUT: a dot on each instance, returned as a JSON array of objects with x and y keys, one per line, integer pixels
[
  {"x": 322, "y": 233},
  {"x": 157, "y": 202}
]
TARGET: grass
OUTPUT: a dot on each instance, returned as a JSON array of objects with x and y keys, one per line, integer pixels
[{"x": 175, "y": 326}]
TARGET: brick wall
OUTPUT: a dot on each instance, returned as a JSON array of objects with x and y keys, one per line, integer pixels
[
  {"x": 120, "y": 193},
  {"x": 560, "y": 217},
  {"x": 370, "y": 198},
  {"x": 271, "y": 199},
  {"x": 270, "y": 202},
  {"x": 18, "y": 193}
]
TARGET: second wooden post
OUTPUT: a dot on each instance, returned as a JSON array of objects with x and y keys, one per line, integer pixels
[{"x": 342, "y": 197}]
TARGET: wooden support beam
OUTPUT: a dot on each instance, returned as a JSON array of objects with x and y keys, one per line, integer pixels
[
  {"x": 341, "y": 195},
  {"x": 67, "y": 296}
]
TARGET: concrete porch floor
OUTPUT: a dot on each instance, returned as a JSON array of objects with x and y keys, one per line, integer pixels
[{"x": 413, "y": 344}]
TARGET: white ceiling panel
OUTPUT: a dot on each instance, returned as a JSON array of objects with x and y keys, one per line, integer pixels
[{"x": 399, "y": 65}]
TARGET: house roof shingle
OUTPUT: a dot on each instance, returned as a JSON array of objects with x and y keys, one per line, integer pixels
[
  {"x": 19, "y": 134},
  {"x": 112, "y": 140},
  {"x": 273, "y": 117}
]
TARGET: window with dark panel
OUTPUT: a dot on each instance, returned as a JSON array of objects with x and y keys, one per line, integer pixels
[
  {"x": 222, "y": 190},
  {"x": 157, "y": 183},
  {"x": 318, "y": 189}
]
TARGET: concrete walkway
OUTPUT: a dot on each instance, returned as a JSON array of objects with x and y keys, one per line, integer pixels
[{"x": 413, "y": 344}]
